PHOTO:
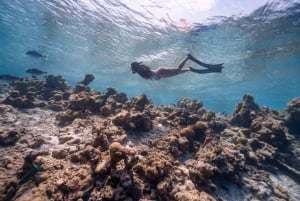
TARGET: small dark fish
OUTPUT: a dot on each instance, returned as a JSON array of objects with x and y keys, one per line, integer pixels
[
  {"x": 28, "y": 175},
  {"x": 10, "y": 78},
  {"x": 35, "y": 71},
  {"x": 36, "y": 54},
  {"x": 225, "y": 188}
]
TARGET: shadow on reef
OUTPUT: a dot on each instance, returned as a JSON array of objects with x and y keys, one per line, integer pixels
[{"x": 191, "y": 154}]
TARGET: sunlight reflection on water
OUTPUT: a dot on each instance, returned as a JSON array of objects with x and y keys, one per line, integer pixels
[{"x": 103, "y": 37}]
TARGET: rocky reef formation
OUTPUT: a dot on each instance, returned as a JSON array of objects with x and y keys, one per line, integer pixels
[
  {"x": 32, "y": 92},
  {"x": 293, "y": 119},
  {"x": 81, "y": 144},
  {"x": 83, "y": 85}
]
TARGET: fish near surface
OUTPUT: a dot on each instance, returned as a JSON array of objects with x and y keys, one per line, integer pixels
[
  {"x": 36, "y": 54},
  {"x": 35, "y": 71}
]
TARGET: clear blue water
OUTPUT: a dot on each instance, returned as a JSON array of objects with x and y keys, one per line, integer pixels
[{"x": 259, "y": 42}]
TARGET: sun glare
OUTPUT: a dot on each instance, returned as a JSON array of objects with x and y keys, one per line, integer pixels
[{"x": 180, "y": 13}]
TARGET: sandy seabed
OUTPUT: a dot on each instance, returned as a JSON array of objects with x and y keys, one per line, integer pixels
[{"x": 63, "y": 143}]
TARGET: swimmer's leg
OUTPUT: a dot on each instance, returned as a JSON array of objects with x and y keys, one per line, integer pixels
[
  {"x": 219, "y": 66},
  {"x": 205, "y": 71},
  {"x": 182, "y": 63}
]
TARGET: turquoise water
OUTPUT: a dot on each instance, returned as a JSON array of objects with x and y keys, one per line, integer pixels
[{"x": 259, "y": 42}]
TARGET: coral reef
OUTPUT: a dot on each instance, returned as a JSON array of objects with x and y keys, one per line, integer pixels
[
  {"x": 59, "y": 143},
  {"x": 245, "y": 112},
  {"x": 32, "y": 92},
  {"x": 8, "y": 137},
  {"x": 83, "y": 85},
  {"x": 293, "y": 120}
]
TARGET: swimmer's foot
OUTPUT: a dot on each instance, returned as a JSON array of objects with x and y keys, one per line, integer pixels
[
  {"x": 210, "y": 66},
  {"x": 204, "y": 71}
]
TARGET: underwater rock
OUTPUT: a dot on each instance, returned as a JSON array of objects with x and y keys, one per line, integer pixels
[
  {"x": 56, "y": 83},
  {"x": 37, "y": 142},
  {"x": 8, "y": 190},
  {"x": 224, "y": 160},
  {"x": 106, "y": 104},
  {"x": 75, "y": 185},
  {"x": 64, "y": 139},
  {"x": 183, "y": 152},
  {"x": 199, "y": 171},
  {"x": 102, "y": 142},
  {"x": 15, "y": 94},
  {"x": 96, "y": 101},
  {"x": 68, "y": 116},
  {"x": 120, "y": 186},
  {"x": 200, "y": 129},
  {"x": 244, "y": 112},
  {"x": 191, "y": 105},
  {"x": 269, "y": 131},
  {"x": 20, "y": 102},
  {"x": 117, "y": 173},
  {"x": 110, "y": 91},
  {"x": 184, "y": 117},
  {"x": 111, "y": 106},
  {"x": 30, "y": 93},
  {"x": 293, "y": 120},
  {"x": 139, "y": 121},
  {"x": 25, "y": 85},
  {"x": 119, "y": 97},
  {"x": 60, "y": 154},
  {"x": 117, "y": 152},
  {"x": 139, "y": 103},
  {"x": 102, "y": 168},
  {"x": 154, "y": 166},
  {"x": 107, "y": 110},
  {"x": 183, "y": 140},
  {"x": 58, "y": 101},
  {"x": 114, "y": 104},
  {"x": 5, "y": 108},
  {"x": 8, "y": 137},
  {"x": 218, "y": 124},
  {"x": 104, "y": 136},
  {"x": 192, "y": 195},
  {"x": 79, "y": 101},
  {"x": 57, "y": 95},
  {"x": 88, "y": 78},
  {"x": 80, "y": 88},
  {"x": 89, "y": 154},
  {"x": 179, "y": 186},
  {"x": 187, "y": 132},
  {"x": 83, "y": 85}
]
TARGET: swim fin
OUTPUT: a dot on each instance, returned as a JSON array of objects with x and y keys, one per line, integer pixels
[
  {"x": 217, "y": 69},
  {"x": 191, "y": 57}
]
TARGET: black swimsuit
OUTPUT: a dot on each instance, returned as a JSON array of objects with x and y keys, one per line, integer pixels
[{"x": 154, "y": 76}]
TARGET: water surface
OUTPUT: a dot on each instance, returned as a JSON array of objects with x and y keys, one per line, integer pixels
[{"x": 259, "y": 42}]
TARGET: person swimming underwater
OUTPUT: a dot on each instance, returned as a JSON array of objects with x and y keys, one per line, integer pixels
[{"x": 163, "y": 72}]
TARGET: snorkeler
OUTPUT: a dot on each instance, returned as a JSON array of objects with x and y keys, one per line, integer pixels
[{"x": 164, "y": 72}]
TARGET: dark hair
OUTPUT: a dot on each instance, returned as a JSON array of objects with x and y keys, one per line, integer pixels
[{"x": 143, "y": 70}]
